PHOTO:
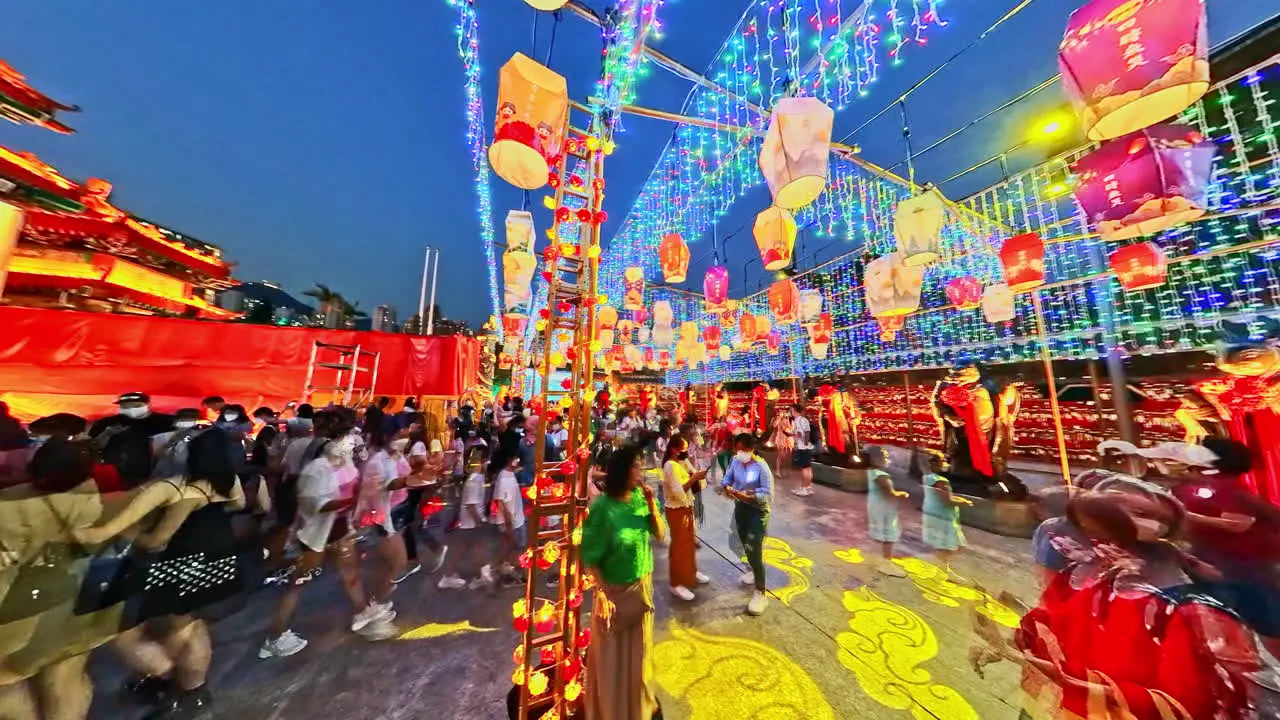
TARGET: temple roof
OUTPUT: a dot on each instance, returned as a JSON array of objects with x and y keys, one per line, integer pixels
[{"x": 23, "y": 104}]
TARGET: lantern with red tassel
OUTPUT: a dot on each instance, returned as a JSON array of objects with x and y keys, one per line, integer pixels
[
  {"x": 673, "y": 254},
  {"x": 1139, "y": 267},
  {"x": 533, "y": 111},
  {"x": 1145, "y": 182},
  {"x": 715, "y": 288},
  {"x": 784, "y": 301},
  {"x": 775, "y": 234},
  {"x": 964, "y": 292},
  {"x": 1128, "y": 64},
  {"x": 1023, "y": 259},
  {"x": 820, "y": 336}
]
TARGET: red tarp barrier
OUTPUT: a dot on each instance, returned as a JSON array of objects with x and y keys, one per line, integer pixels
[{"x": 66, "y": 361}]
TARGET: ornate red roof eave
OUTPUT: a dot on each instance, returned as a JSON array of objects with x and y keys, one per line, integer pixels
[
  {"x": 27, "y": 169},
  {"x": 23, "y": 103}
]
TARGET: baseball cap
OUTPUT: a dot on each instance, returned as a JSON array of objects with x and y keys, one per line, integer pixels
[
  {"x": 1191, "y": 455},
  {"x": 133, "y": 397}
]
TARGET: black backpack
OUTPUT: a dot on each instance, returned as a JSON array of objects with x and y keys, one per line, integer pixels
[{"x": 815, "y": 433}]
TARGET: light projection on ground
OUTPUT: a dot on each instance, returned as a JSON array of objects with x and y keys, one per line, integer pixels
[
  {"x": 727, "y": 677},
  {"x": 852, "y": 556},
  {"x": 885, "y": 650},
  {"x": 936, "y": 588},
  {"x": 435, "y": 630},
  {"x": 778, "y": 554}
]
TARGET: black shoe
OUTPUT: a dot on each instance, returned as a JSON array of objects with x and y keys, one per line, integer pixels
[
  {"x": 188, "y": 705},
  {"x": 147, "y": 689}
]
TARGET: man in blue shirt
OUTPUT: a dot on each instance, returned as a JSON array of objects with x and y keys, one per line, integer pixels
[{"x": 749, "y": 482}]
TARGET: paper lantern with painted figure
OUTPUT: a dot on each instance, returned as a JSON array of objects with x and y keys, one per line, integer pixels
[
  {"x": 918, "y": 224},
  {"x": 784, "y": 301},
  {"x": 1128, "y": 64},
  {"x": 892, "y": 288},
  {"x": 664, "y": 359},
  {"x": 533, "y": 111},
  {"x": 673, "y": 255},
  {"x": 517, "y": 282},
  {"x": 796, "y": 151},
  {"x": 513, "y": 326},
  {"x": 632, "y": 355},
  {"x": 965, "y": 292},
  {"x": 711, "y": 337},
  {"x": 810, "y": 306},
  {"x": 890, "y": 326},
  {"x": 775, "y": 235},
  {"x": 1140, "y": 267},
  {"x": 715, "y": 288},
  {"x": 633, "y": 288},
  {"x": 747, "y": 328},
  {"x": 1145, "y": 182},
  {"x": 1022, "y": 257},
  {"x": 820, "y": 336},
  {"x": 763, "y": 326},
  {"x": 998, "y": 303},
  {"x": 729, "y": 318}
]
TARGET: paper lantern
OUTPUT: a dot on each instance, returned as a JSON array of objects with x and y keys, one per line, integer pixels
[
  {"x": 642, "y": 334},
  {"x": 796, "y": 151},
  {"x": 917, "y": 224},
  {"x": 820, "y": 336},
  {"x": 547, "y": 5},
  {"x": 624, "y": 331},
  {"x": 891, "y": 287},
  {"x": 784, "y": 301},
  {"x": 649, "y": 360},
  {"x": 662, "y": 314},
  {"x": 697, "y": 355},
  {"x": 964, "y": 292},
  {"x": 747, "y": 327},
  {"x": 1145, "y": 182},
  {"x": 729, "y": 318},
  {"x": 715, "y": 288},
  {"x": 640, "y": 315},
  {"x": 632, "y": 355},
  {"x": 533, "y": 111},
  {"x": 673, "y": 254},
  {"x": 773, "y": 342},
  {"x": 1023, "y": 259},
  {"x": 775, "y": 234},
  {"x": 763, "y": 326},
  {"x": 725, "y": 353},
  {"x": 688, "y": 332},
  {"x": 633, "y": 288},
  {"x": 1139, "y": 267},
  {"x": 1128, "y": 64},
  {"x": 513, "y": 326},
  {"x": 606, "y": 321},
  {"x": 810, "y": 306},
  {"x": 889, "y": 326},
  {"x": 662, "y": 336},
  {"x": 517, "y": 282},
  {"x": 664, "y": 359},
  {"x": 997, "y": 303},
  {"x": 711, "y": 337}
]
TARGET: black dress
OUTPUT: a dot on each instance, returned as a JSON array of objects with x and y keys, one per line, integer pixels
[{"x": 198, "y": 568}]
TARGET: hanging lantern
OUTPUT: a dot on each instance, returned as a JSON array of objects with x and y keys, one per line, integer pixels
[
  {"x": 1128, "y": 64},
  {"x": 547, "y": 5},
  {"x": 711, "y": 337},
  {"x": 649, "y": 360},
  {"x": 729, "y": 318},
  {"x": 513, "y": 326},
  {"x": 796, "y": 150},
  {"x": 784, "y": 301},
  {"x": 891, "y": 287},
  {"x": 917, "y": 224},
  {"x": 1145, "y": 182},
  {"x": 533, "y": 110},
  {"x": 1023, "y": 259},
  {"x": 820, "y": 336},
  {"x": 889, "y": 326},
  {"x": 1139, "y": 267},
  {"x": 640, "y": 315},
  {"x": 664, "y": 359},
  {"x": 763, "y": 326},
  {"x": 518, "y": 264},
  {"x": 810, "y": 306},
  {"x": 606, "y": 321},
  {"x": 964, "y": 292},
  {"x": 747, "y": 328},
  {"x": 725, "y": 353},
  {"x": 632, "y": 356},
  {"x": 688, "y": 332},
  {"x": 773, "y": 342},
  {"x": 775, "y": 234},
  {"x": 997, "y": 303},
  {"x": 624, "y": 331},
  {"x": 662, "y": 336},
  {"x": 715, "y": 288},
  {"x": 673, "y": 254},
  {"x": 633, "y": 288},
  {"x": 697, "y": 355},
  {"x": 642, "y": 334},
  {"x": 662, "y": 314}
]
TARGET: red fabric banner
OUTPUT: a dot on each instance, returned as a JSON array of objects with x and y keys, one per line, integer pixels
[{"x": 66, "y": 361}]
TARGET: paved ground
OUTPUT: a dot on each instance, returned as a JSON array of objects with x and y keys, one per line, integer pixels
[{"x": 838, "y": 640}]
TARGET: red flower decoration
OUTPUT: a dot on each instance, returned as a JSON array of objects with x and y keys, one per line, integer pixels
[
  {"x": 563, "y": 214},
  {"x": 552, "y": 253},
  {"x": 553, "y": 180},
  {"x": 602, "y": 217},
  {"x": 584, "y": 215},
  {"x": 568, "y": 467}
]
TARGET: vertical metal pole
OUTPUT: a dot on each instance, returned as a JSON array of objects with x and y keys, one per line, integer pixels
[
  {"x": 422, "y": 294},
  {"x": 1047, "y": 357},
  {"x": 431, "y": 309}
]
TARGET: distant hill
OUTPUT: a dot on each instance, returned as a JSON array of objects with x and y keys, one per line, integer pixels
[{"x": 274, "y": 296}]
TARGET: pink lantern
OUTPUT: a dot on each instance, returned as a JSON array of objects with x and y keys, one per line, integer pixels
[
  {"x": 715, "y": 288},
  {"x": 773, "y": 342},
  {"x": 640, "y": 315},
  {"x": 1128, "y": 64},
  {"x": 965, "y": 292},
  {"x": 1145, "y": 182}
]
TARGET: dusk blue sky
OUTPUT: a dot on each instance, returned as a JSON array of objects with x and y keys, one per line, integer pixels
[{"x": 323, "y": 141}]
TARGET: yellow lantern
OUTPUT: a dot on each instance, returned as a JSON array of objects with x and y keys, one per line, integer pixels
[
  {"x": 725, "y": 352},
  {"x": 763, "y": 326},
  {"x": 606, "y": 321},
  {"x": 917, "y": 224},
  {"x": 775, "y": 234},
  {"x": 891, "y": 287},
  {"x": 688, "y": 332},
  {"x": 533, "y": 111},
  {"x": 796, "y": 150},
  {"x": 633, "y": 288},
  {"x": 673, "y": 254}
]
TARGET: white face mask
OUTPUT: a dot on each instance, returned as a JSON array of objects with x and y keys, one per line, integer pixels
[
  {"x": 1150, "y": 530},
  {"x": 231, "y": 417},
  {"x": 184, "y": 424},
  {"x": 743, "y": 456},
  {"x": 136, "y": 412}
]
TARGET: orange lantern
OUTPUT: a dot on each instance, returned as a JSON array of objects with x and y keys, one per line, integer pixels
[
  {"x": 889, "y": 326},
  {"x": 1023, "y": 259},
  {"x": 964, "y": 292},
  {"x": 773, "y": 342},
  {"x": 729, "y": 317},
  {"x": 775, "y": 234},
  {"x": 533, "y": 111},
  {"x": 1140, "y": 267},
  {"x": 784, "y": 301},
  {"x": 747, "y": 328},
  {"x": 763, "y": 325},
  {"x": 673, "y": 253},
  {"x": 633, "y": 288},
  {"x": 711, "y": 337}
]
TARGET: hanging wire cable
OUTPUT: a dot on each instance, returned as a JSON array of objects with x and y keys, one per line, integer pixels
[{"x": 552, "y": 46}]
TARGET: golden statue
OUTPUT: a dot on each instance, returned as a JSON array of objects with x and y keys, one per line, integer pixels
[{"x": 975, "y": 416}]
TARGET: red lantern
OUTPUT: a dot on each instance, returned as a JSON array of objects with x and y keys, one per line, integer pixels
[
  {"x": 820, "y": 336},
  {"x": 715, "y": 288},
  {"x": 711, "y": 337},
  {"x": 965, "y": 292},
  {"x": 1145, "y": 182},
  {"x": 673, "y": 254},
  {"x": 1023, "y": 259},
  {"x": 784, "y": 301},
  {"x": 1139, "y": 267},
  {"x": 1128, "y": 64}
]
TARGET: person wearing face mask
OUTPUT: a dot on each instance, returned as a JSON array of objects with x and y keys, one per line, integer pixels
[
  {"x": 124, "y": 439},
  {"x": 749, "y": 483},
  {"x": 679, "y": 480}
]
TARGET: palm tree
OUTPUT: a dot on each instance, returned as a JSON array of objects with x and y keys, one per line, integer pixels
[{"x": 326, "y": 297}]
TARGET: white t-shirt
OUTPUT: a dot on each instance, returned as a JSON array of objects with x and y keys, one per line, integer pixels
[
  {"x": 317, "y": 486},
  {"x": 800, "y": 433},
  {"x": 472, "y": 496},
  {"x": 507, "y": 493},
  {"x": 379, "y": 470}
]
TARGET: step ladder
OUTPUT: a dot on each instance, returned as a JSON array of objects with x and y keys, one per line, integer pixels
[{"x": 352, "y": 370}]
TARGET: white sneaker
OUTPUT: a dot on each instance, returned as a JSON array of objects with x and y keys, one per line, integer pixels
[
  {"x": 888, "y": 567},
  {"x": 486, "y": 573},
  {"x": 703, "y": 578},
  {"x": 376, "y": 612},
  {"x": 683, "y": 593},
  {"x": 451, "y": 582},
  {"x": 759, "y": 601},
  {"x": 288, "y": 643},
  {"x": 748, "y": 578},
  {"x": 381, "y": 630},
  {"x": 799, "y": 492},
  {"x": 439, "y": 561}
]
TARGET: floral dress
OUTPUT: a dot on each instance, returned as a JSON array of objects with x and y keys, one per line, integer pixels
[
  {"x": 941, "y": 518},
  {"x": 882, "y": 509}
]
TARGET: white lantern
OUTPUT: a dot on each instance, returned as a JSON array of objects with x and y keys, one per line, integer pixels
[
  {"x": 533, "y": 111},
  {"x": 797, "y": 150},
  {"x": 662, "y": 314},
  {"x": 818, "y": 350},
  {"x": 518, "y": 264},
  {"x": 892, "y": 288},
  {"x": 663, "y": 336},
  {"x": 997, "y": 303},
  {"x": 810, "y": 306},
  {"x": 918, "y": 224},
  {"x": 632, "y": 355},
  {"x": 642, "y": 335}
]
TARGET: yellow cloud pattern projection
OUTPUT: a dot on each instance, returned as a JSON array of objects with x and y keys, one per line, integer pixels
[
  {"x": 936, "y": 588},
  {"x": 779, "y": 554}
]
